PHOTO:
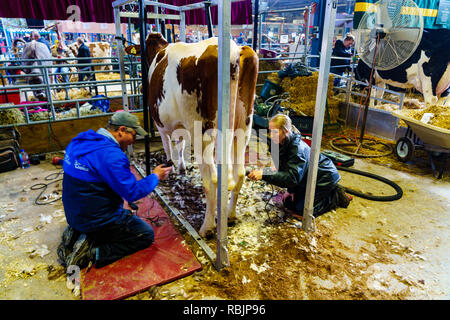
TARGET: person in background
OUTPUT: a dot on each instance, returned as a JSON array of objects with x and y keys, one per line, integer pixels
[
  {"x": 97, "y": 178},
  {"x": 84, "y": 53},
  {"x": 342, "y": 49},
  {"x": 241, "y": 40},
  {"x": 36, "y": 36},
  {"x": 293, "y": 162}
]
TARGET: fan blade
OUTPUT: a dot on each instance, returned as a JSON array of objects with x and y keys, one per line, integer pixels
[{"x": 404, "y": 34}]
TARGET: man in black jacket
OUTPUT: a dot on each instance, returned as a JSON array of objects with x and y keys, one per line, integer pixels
[
  {"x": 293, "y": 162},
  {"x": 342, "y": 49},
  {"x": 85, "y": 54}
]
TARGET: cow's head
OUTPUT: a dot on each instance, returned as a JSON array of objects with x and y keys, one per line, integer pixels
[{"x": 153, "y": 44}]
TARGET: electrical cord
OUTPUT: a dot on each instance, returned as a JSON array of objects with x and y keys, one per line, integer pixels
[{"x": 44, "y": 186}]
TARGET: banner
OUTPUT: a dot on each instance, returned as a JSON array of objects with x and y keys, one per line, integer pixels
[{"x": 435, "y": 12}]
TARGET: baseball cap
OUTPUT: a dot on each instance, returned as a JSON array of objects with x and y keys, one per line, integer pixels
[{"x": 129, "y": 120}]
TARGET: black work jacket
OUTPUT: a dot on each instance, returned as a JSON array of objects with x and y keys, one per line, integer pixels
[
  {"x": 83, "y": 52},
  {"x": 293, "y": 163}
]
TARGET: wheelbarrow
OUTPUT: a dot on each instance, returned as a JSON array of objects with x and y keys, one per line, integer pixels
[{"x": 422, "y": 136}]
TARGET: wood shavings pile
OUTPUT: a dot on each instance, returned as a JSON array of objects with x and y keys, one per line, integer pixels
[{"x": 441, "y": 115}]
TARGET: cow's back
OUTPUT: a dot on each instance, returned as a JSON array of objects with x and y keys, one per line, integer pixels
[{"x": 183, "y": 84}]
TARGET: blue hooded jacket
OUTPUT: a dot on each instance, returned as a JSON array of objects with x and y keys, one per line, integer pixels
[{"x": 97, "y": 178}]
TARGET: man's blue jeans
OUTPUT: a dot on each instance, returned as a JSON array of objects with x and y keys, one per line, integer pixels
[{"x": 120, "y": 239}]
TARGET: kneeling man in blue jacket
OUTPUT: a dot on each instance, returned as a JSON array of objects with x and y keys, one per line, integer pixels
[{"x": 97, "y": 178}]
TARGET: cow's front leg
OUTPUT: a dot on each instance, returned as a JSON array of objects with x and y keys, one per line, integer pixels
[
  {"x": 239, "y": 172},
  {"x": 180, "y": 145},
  {"x": 167, "y": 145},
  {"x": 207, "y": 228}
]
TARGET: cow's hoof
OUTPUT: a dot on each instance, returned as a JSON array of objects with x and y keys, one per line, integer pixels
[
  {"x": 209, "y": 235},
  {"x": 232, "y": 221}
]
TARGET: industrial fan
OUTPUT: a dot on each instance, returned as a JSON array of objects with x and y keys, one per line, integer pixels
[{"x": 387, "y": 35}]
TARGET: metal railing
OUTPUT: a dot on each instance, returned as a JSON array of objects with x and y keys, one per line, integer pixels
[{"x": 51, "y": 88}]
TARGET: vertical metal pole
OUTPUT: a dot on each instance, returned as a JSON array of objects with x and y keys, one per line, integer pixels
[
  {"x": 157, "y": 25},
  {"x": 307, "y": 23},
  {"x": 349, "y": 89},
  {"x": 208, "y": 18},
  {"x": 49, "y": 91},
  {"x": 121, "y": 60},
  {"x": 255, "y": 25},
  {"x": 144, "y": 71},
  {"x": 183, "y": 26},
  {"x": 260, "y": 31},
  {"x": 321, "y": 97},
  {"x": 224, "y": 124}
]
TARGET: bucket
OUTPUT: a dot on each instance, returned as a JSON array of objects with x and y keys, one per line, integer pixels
[{"x": 270, "y": 89}]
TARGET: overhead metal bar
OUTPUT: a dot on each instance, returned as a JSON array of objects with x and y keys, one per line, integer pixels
[
  {"x": 162, "y": 5},
  {"x": 151, "y": 15},
  {"x": 119, "y": 3},
  {"x": 321, "y": 97},
  {"x": 283, "y": 10}
]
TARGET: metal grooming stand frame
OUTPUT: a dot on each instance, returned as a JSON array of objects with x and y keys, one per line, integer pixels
[
  {"x": 321, "y": 96},
  {"x": 220, "y": 260}
]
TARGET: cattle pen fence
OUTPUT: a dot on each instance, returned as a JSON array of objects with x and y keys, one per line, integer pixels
[
  {"x": 56, "y": 92},
  {"x": 66, "y": 98}
]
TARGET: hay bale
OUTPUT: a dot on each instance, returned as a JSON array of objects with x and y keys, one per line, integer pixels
[
  {"x": 302, "y": 92},
  {"x": 74, "y": 93}
]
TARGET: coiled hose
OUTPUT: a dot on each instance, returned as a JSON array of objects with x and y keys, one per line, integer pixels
[{"x": 376, "y": 177}]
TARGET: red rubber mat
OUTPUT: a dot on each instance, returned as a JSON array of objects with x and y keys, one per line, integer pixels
[{"x": 166, "y": 260}]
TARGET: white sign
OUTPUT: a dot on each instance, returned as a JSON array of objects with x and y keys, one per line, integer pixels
[{"x": 284, "y": 38}]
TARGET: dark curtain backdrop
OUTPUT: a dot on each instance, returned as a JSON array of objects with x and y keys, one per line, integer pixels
[{"x": 102, "y": 11}]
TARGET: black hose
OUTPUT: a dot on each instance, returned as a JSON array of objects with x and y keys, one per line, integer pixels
[
  {"x": 44, "y": 186},
  {"x": 376, "y": 177}
]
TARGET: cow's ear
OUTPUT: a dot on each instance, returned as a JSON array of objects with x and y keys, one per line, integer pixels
[{"x": 133, "y": 50}]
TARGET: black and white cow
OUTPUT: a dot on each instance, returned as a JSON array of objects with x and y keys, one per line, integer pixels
[
  {"x": 427, "y": 70},
  {"x": 37, "y": 51}
]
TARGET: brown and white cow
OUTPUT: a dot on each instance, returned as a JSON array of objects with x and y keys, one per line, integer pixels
[
  {"x": 183, "y": 96},
  {"x": 97, "y": 49}
]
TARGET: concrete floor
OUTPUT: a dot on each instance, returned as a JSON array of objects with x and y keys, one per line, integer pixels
[{"x": 415, "y": 228}]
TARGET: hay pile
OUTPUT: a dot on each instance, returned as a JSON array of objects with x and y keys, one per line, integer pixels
[
  {"x": 11, "y": 116},
  {"x": 84, "y": 111},
  {"x": 74, "y": 93},
  {"x": 302, "y": 92}
]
